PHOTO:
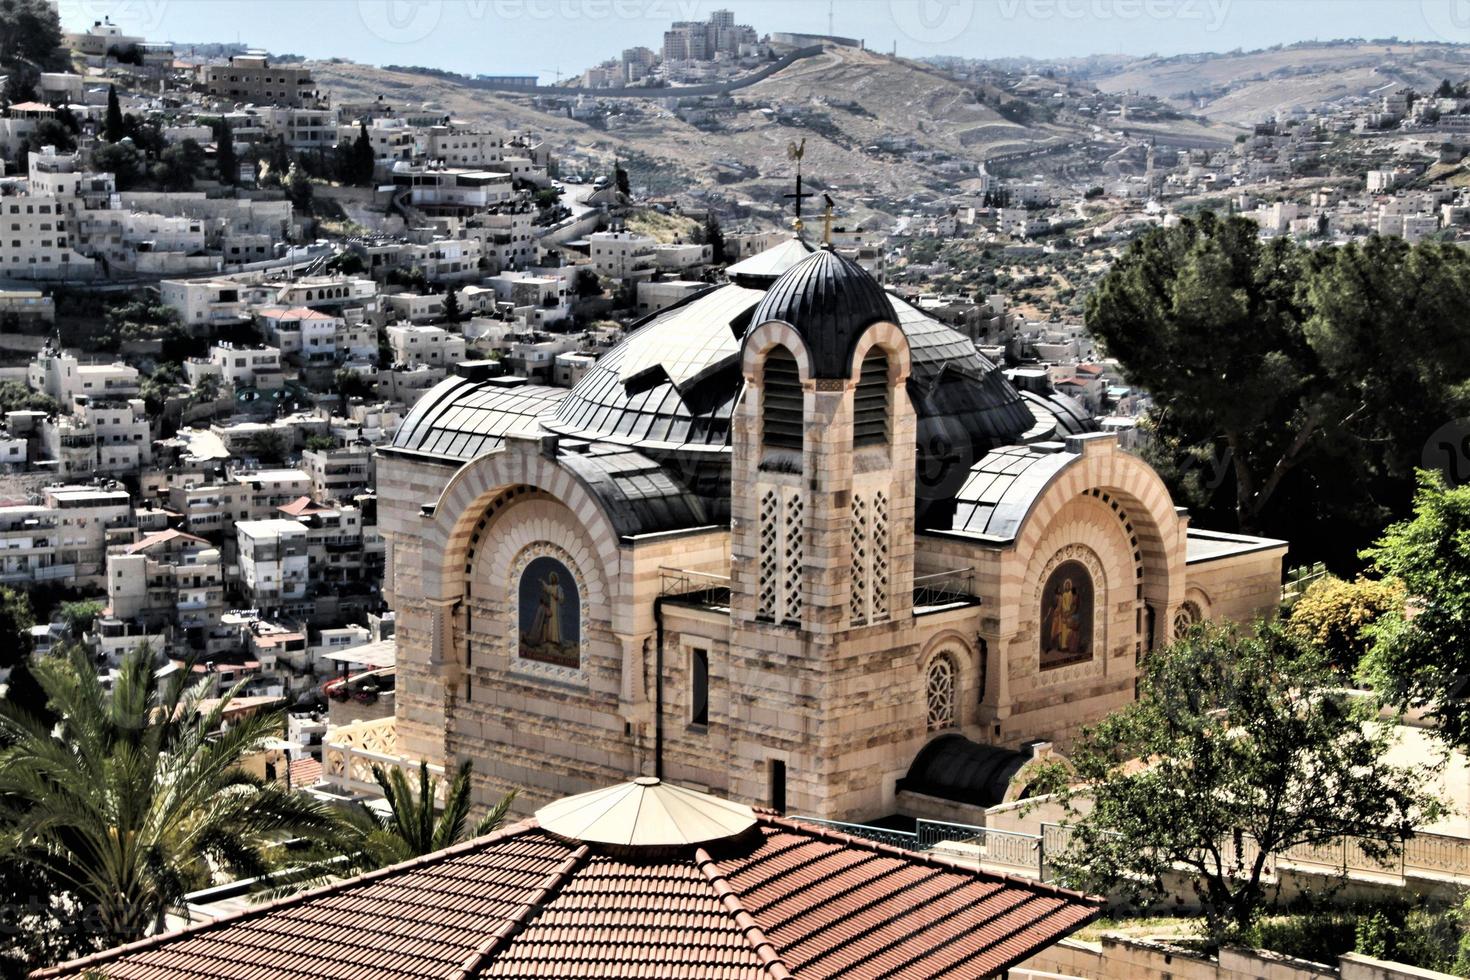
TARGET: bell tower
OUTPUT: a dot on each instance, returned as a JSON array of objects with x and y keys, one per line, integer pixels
[{"x": 822, "y": 505}]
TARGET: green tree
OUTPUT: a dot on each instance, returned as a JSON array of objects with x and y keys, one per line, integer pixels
[
  {"x": 414, "y": 825},
  {"x": 620, "y": 179},
  {"x": 79, "y": 615},
  {"x": 714, "y": 236},
  {"x": 451, "y": 306},
  {"x": 112, "y": 128},
  {"x": 1424, "y": 657},
  {"x": 268, "y": 447},
  {"x": 16, "y": 620},
  {"x": 51, "y": 132},
  {"x": 138, "y": 794},
  {"x": 206, "y": 390},
  {"x": 15, "y": 397},
  {"x": 122, "y": 160},
  {"x": 30, "y": 32},
  {"x": 1238, "y": 748},
  {"x": 1309, "y": 374},
  {"x": 226, "y": 164},
  {"x": 179, "y": 165},
  {"x": 298, "y": 189}
]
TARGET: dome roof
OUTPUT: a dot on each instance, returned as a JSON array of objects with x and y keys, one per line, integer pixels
[
  {"x": 764, "y": 268},
  {"x": 830, "y": 300},
  {"x": 646, "y": 812}
]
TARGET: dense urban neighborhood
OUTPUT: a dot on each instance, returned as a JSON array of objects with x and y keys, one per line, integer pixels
[{"x": 761, "y": 507}]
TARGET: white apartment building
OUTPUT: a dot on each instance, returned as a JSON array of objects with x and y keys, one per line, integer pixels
[
  {"x": 681, "y": 255},
  {"x": 206, "y": 302},
  {"x": 64, "y": 537},
  {"x": 328, "y": 293},
  {"x": 274, "y": 562},
  {"x": 63, "y": 376},
  {"x": 102, "y": 435},
  {"x": 305, "y": 335},
  {"x": 486, "y": 151},
  {"x": 505, "y": 236},
  {"x": 450, "y": 189},
  {"x": 620, "y": 254},
  {"x": 657, "y": 295},
  {"x": 340, "y": 473},
  {"x": 418, "y": 344},
  {"x": 445, "y": 259},
  {"x": 37, "y": 239},
  {"x": 257, "y": 367},
  {"x": 302, "y": 128}
]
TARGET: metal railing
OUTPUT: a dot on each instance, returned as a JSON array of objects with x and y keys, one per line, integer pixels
[
  {"x": 708, "y": 587},
  {"x": 942, "y": 588},
  {"x": 1007, "y": 849}
]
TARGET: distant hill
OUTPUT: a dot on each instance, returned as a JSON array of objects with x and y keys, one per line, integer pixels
[{"x": 1242, "y": 88}]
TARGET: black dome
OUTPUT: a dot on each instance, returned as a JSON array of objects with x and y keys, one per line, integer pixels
[{"x": 830, "y": 300}]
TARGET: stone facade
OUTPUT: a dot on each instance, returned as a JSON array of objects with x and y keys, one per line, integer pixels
[{"x": 835, "y": 695}]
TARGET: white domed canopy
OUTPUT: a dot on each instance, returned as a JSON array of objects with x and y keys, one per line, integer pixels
[{"x": 645, "y": 813}]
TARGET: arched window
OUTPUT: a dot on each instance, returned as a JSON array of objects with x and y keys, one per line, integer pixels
[
  {"x": 782, "y": 414},
  {"x": 870, "y": 404},
  {"x": 939, "y": 687}
]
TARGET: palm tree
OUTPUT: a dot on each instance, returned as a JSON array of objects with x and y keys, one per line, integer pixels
[
  {"x": 137, "y": 795},
  {"x": 413, "y": 826}
]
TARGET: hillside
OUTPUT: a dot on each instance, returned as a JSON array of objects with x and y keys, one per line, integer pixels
[
  {"x": 842, "y": 102},
  {"x": 1243, "y": 87}
]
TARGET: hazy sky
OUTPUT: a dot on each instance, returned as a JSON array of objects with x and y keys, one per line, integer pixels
[{"x": 540, "y": 36}]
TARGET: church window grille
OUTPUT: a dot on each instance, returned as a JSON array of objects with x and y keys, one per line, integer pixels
[
  {"x": 880, "y": 556},
  {"x": 793, "y": 534},
  {"x": 770, "y": 527},
  {"x": 940, "y": 689},
  {"x": 871, "y": 402},
  {"x": 782, "y": 411},
  {"x": 859, "y": 572}
]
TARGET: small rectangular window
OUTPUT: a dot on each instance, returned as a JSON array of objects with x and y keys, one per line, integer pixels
[
  {"x": 778, "y": 785},
  {"x": 699, "y": 687}
]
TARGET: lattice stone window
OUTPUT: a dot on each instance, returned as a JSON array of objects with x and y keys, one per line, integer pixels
[
  {"x": 782, "y": 533},
  {"x": 940, "y": 686},
  {"x": 868, "y": 600},
  {"x": 1184, "y": 617},
  {"x": 770, "y": 557},
  {"x": 880, "y": 556},
  {"x": 858, "y": 599}
]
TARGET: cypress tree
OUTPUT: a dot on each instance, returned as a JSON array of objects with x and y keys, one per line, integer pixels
[
  {"x": 362, "y": 157},
  {"x": 113, "y": 127},
  {"x": 225, "y": 162}
]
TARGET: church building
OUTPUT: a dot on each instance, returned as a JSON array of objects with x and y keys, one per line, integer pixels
[{"x": 792, "y": 542}]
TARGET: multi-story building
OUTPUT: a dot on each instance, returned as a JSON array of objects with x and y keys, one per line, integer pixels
[
  {"x": 339, "y": 474},
  {"x": 256, "y": 366},
  {"x": 36, "y": 238},
  {"x": 252, "y": 78},
  {"x": 622, "y": 254},
  {"x": 417, "y": 344},
  {"x": 274, "y": 564},
  {"x": 451, "y": 190},
  {"x": 101, "y": 435},
  {"x": 303, "y": 335},
  {"x": 168, "y": 580},
  {"x": 65, "y": 536},
  {"x": 64, "y": 376}
]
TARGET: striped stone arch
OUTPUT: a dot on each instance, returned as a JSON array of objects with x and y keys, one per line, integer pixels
[
  {"x": 964, "y": 649},
  {"x": 889, "y": 337},
  {"x": 758, "y": 343},
  {"x": 477, "y": 485},
  {"x": 1131, "y": 485}
]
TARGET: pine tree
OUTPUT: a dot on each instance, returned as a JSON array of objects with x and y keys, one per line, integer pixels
[
  {"x": 113, "y": 128},
  {"x": 714, "y": 237},
  {"x": 451, "y": 306},
  {"x": 225, "y": 162}
]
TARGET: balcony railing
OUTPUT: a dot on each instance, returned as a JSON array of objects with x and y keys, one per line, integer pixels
[{"x": 350, "y": 752}]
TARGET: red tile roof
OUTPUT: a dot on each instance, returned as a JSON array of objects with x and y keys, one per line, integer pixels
[
  {"x": 783, "y": 900},
  {"x": 159, "y": 537}
]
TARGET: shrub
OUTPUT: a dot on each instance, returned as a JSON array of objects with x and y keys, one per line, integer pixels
[{"x": 1336, "y": 616}]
